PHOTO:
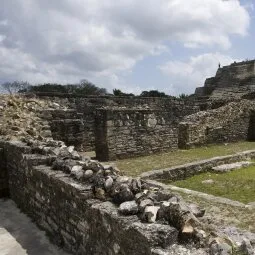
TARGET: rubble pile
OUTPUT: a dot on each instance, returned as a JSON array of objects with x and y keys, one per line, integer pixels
[
  {"x": 20, "y": 118},
  {"x": 133, "y": 196}
]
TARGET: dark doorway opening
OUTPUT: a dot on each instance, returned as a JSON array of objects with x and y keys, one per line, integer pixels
[{"x": 251, "y": 128}]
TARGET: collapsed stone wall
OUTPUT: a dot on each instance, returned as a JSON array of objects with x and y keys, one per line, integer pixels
[
  {"x": 229, "y": 123},
  {"x": 237, "y": 79},
  {"x": 63, "y": 203},
  {"x": 69, "y": 126}
]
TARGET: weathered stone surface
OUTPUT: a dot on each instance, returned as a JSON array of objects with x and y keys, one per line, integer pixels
[
  {"x": 196, "y": 210},
  {"x": 131, "y": 132},
  {"x": 220, "y": 247},
  {"x": 229, "y": 123},
  {"x": 183, "y": 171},
  {"x": 128, "y": 208},
  {"x": 150, "y": 213},
  {"x": 230, "y": 167}
]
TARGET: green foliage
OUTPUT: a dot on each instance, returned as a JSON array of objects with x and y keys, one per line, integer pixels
[
  {"x": 15, "y": 86},
  {"x": 153, "y": 93},
  {"x": 83, "y": 88},
  {"x": 183, "y": 96},
  {"x": 118, "y": 92}
]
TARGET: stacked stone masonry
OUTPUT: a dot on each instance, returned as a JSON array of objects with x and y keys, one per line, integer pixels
[
  {"x": 230, "y": 123},
  {"x": 228, "y": 78},
  {"x": 73, "y": 218},
  {"x": 124, "y": 133},
  {"x": 78, "y": 125}
]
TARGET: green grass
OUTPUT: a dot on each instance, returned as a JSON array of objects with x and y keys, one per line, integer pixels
[
  {"x": 136, "y": 166},
  {"x": 237, "y": 185},
  {"x": 222, "y": 214}
]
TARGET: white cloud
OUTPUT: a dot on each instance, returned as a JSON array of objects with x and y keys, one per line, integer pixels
[
  {"x": 186, "y": 76},
  {"x": 66, "y": 40}
]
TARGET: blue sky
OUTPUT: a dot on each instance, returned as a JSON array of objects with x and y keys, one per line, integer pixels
[{"x": 169, "y": 45}]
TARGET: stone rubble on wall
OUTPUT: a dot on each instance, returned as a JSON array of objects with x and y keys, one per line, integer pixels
[
  {"x": 133, "y": 196},
  {"x": 228, "y": 123},
  {"x": 19, "y": 118}
]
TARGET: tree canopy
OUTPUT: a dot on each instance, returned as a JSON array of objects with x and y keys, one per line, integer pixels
[
  {"x": 15, "y": 86},
  {"x": 85, "y": 87},
  {"x": 153, "y": 93}
]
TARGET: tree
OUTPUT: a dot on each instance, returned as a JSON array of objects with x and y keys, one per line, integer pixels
[
  {"x": 15, "y": 86},
  {"x": 88, "y": 88},
  {"x": 153, "y": 93},
  {"x": 118, "y": 93},
  {"x": 85, "y": 87},
  {"x": 183, "y": 96}
]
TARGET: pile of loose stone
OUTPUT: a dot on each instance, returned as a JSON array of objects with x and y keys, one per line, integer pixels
[
  {"x": 134, "y": 196},
  {"x": 19, "y": 118}
]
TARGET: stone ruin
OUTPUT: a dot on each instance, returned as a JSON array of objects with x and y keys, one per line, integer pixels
[{"x": 87, "y": 207}]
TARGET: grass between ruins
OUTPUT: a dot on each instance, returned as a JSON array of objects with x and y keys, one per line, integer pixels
[
  {"x": 224, "y": 215},
  {"x": 237, "y": 185},
  {"x": 136, "y": 166}
]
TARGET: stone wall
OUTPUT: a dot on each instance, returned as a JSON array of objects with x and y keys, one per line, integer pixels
[
  {"x": 81, "y": 130},
  {"x": 3, "y": 175},
  {"x": 229, "y": 123},
  {"x": 123, "y": 133},
  {"x": 73, "y": 218},
  {"x": 69, "y": 126},
  {"x": 230, "y": 77},
  {"x": 185, "y": 171}
]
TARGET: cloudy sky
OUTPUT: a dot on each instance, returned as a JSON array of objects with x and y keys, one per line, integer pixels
[{"x": 133, "y": 45}]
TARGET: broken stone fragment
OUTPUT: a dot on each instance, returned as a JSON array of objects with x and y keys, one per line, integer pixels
[
  {"x": 136, "y": 185},
  {"x": 141, "y": 196},
  {"x": 188, "y": 228},
  {"x": 210, "y": 181},
  {"x": 76, "y": 169},
  {"x": 88, "y": 174},
  {"x": 92, "y": 165},
  {"x": 144, "y": 203},
  {"x": 79, "y": 175},
  {"x": 77, "y": 172},
  {"x": 121, "y": 192},
  {"x": 75, "y": 155},
  {"x": 219, "y": 247},
  {"x": 99, "y": 193},
  {"x": 196, "y": 210},
  {"x": 162, "y": 195},
  {"x": 247, "y": 248},
  {"x": 128, "y": 208},
  {"x": 108, "y": 183},
  {"x": 180, "y": 216},
  {"x": 150, "y": 214},
  {"x": 174, "y": 199}
]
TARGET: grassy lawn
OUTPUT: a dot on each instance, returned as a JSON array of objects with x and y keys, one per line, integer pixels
[
  {"x": 136, "y": 166},
  {"x": 237, "y": 185}
]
